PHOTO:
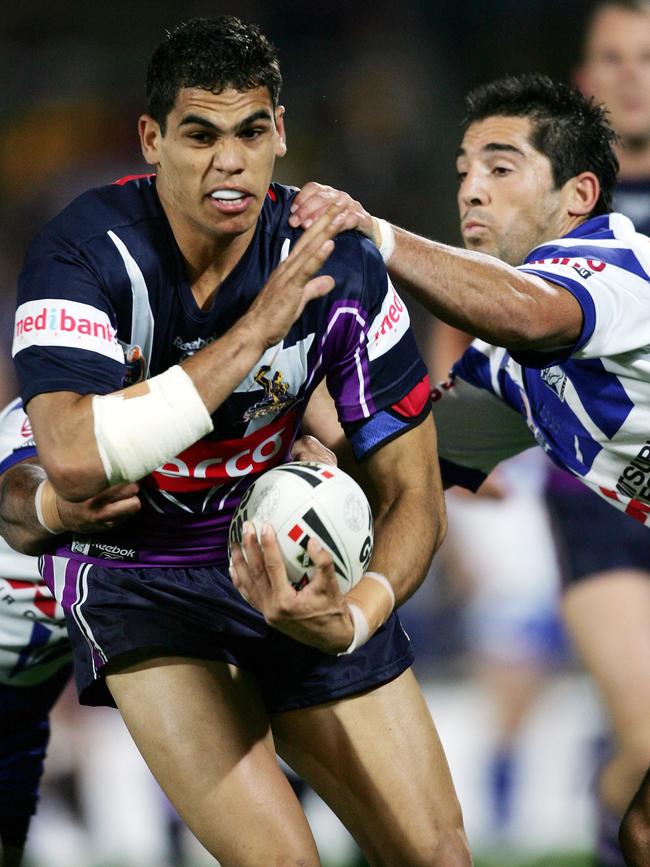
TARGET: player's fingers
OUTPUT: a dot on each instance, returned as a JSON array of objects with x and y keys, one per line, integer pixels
[
  {"x": 253, "y": 553},
  {"x": 273, "y": 561},
  {"x": 115, "y": 493},
  {"x": 323, "y": 576},
  {"x": 239, "y": 574},
  {"x": 315, "y": 288},
  {"x": 310, "y": 190},
  {"x": 308, "y": 448},
  {"x": 119, "y": 510},
  {"x": 325, "y": 227}
]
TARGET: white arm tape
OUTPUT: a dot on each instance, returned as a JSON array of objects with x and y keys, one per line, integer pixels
[
  {"x": 387, "y": 239},
  {"x": 138, "y": 434},
  {"x": 38, "y": 504},
  {"x": 361, "y": 631},
  {"x": 385, "y": 583}
]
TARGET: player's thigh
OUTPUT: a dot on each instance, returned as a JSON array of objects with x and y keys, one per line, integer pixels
[
  {"x": 608, "y": 617},
  {"x": 202, "y": 729},
  {"x": 376, "y": 759}
]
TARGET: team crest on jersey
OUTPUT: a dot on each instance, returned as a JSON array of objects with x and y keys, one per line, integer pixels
[
  {"x": 555, "y": 378},
  {"x": 276, "y": 394}
]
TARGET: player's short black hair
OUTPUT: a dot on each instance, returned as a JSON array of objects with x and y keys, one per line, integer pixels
[
  {"x": 569, "y": 129},
  {"x": 213, "y": 54}
]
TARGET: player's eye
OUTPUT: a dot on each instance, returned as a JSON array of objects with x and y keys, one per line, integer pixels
[
  {"x": 500, "y": 171},
  {"x": 461, "y": 176},
  {"x": 252, "y": 133},
  {"x": 201, "y": 137}
]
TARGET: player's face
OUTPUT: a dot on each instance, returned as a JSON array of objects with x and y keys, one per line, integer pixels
[
  {"x": 616, "y": 70},
  {"x": 507, "y": 198},
  {"x": 215, "y": 160}
]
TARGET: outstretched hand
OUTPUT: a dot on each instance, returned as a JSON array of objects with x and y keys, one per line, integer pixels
[
  {"x": 314, "y": 199},
  {"x": 292, "y": 284},
  {"x": 316, "y": 615}
]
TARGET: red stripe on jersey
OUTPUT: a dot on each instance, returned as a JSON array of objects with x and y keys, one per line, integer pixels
[
  {"x": 326, "y": 474},
  {"x": 612, "y": 495},
  {"x": 413, "y": 403},
  {"x": 121, "y": 181},
  {"x": 272, "y": 196},
  {"x": 45, "y": 604},
  {"x": 209, "y": 463},
  {"x": 19, "y": 585},
  {"x": 637, "y": 510},
  {"x": 295, "y": 532}
]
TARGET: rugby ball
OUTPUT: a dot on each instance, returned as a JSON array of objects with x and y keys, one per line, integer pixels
[{"x": 302, "y": 500}]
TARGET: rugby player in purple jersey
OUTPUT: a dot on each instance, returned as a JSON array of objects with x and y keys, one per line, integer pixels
[
  {"x": 557, "y": 288},
  {"x": 171, "y": 329}
]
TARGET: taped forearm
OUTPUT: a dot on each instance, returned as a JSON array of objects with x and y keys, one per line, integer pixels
[{"x": 135, "y": 435}]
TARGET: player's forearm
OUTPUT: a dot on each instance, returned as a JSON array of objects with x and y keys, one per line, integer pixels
[
  {"x": 19, "y": 524},
  {"x": 483, "y": 296},
  {"x": 408, "y": 532},
  {"x": 70, "y": 428}
]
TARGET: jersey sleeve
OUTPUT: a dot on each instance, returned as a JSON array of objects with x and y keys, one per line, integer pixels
[
  {"x": 65, "y": 335},
  {"x": 374, "y": 370},
  {"x": 612, "y": 287},
  {"x": 477, "y": 428},
  {"x": 16, "y": 438}
]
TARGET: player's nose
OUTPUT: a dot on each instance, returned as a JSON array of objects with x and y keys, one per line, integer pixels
[
  {"x": 473, "y": 190},
  {"x": 228, "y": 156}
]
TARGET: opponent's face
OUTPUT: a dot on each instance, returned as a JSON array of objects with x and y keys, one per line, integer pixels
[
  {"x": 215, "y": 160},
  {"x": 507, "y": 198},
  {"x": 616, "y": 70}
]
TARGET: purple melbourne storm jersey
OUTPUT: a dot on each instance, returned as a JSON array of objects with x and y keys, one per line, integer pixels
[
  {"x": 587, "y": 406},
  {"x": 104, "y": 302}
]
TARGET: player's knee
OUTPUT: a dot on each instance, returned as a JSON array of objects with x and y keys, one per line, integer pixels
[{"x": 441, "y": 848}]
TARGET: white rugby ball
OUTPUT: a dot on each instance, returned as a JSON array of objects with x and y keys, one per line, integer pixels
[{"x": 302, "y": 500}]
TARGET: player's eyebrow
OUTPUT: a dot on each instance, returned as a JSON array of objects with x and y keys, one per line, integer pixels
[
  {"x": 260, "y": 114},
  {"x": 492, "y": 147}
]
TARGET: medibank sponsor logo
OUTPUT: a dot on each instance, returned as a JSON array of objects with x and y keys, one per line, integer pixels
[
  {"x": 57, "y": 322},
  {"x": 389, "y": 326}
]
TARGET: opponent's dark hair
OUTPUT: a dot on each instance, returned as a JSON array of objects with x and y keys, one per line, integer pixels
[
  {"x": 569, "y": 129},
  {"x": 213, "y": 54}
]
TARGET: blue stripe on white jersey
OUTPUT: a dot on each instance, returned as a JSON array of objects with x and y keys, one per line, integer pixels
[{"x": 588, "y": 406}]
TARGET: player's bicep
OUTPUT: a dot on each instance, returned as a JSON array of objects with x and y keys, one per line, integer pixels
[{"x": 407, "y": 464}]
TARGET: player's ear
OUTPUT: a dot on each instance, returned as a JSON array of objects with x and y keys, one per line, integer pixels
[
  {"x": 582, "y": 193},
  {"x": 281, "y": 143},
  {"x": 150, "y": 135}
]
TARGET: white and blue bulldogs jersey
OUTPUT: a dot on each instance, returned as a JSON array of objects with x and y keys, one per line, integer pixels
[
  {"x": 33, "y": 638},
  {"x": 588, "y": 405}
]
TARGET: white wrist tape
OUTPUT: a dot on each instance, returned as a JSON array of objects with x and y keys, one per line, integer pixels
[
  {"x": 38, "y": 503},
  {"x": 385, "y": 583},
  {"x": 387, "y": 239},
  {"x": 138, "y": 434},
  {"x": 361, "y": 630}
]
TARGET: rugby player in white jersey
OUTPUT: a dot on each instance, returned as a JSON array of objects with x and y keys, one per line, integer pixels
[
  {"x": 562, "y": 358},
  {"x": 35, "y": 654}
]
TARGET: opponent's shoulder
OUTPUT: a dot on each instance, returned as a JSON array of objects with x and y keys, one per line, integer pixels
[
  {"x": 355, "y": 263},
  {"x": 606, "y": 240},
  {"x": 16, "y": 437},
  {"x": 98, "y": 211}
]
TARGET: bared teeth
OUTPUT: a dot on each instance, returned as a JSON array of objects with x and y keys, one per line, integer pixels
[{"x": 228, "y": 195}]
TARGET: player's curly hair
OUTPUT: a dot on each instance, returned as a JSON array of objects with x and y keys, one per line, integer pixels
[
  {"x": 213, "y": 54},
  {"x": 569, "y": 129}
]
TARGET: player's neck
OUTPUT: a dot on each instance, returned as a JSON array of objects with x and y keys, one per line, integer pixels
[
  {"x": 634, "y": 158},
  {"x": 208, "y": 262}
]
